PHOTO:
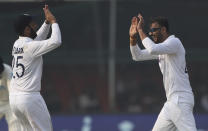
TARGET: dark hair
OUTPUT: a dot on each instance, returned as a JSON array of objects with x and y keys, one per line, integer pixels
[
  {"x": 1, "y": 65},
  {"x": 21, "y": 22},
  {"x": 162, "y": 21}
]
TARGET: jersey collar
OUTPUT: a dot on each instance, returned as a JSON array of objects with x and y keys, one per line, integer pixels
[{"x": 25, "y": 38}]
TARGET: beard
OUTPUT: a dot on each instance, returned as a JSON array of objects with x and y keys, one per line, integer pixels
[{"x": 157, "y": 38}]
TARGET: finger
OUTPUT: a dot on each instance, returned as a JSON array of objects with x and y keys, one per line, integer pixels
[
  {"x": 46, "y": 6},
  {"x": 134, "y": 20},
  {"x": 44, "y": 9},
  {"x": 139, "y": 16}
]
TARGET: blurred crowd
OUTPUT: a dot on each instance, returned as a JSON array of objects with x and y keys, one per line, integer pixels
[{"x": 139, "y": 88}]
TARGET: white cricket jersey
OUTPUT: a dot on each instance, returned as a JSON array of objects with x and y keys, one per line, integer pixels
[
  {"x": 171, "y": 55},
  {"x": 5, "y": 78},
  {"x": 27, "y": 58}
]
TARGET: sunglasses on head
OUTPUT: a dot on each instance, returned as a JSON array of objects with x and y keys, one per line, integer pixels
[{"x": 154, "y": 29}]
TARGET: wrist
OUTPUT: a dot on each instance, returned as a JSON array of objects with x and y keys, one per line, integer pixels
[
  {"x": 47, "y": 22},
  {"x": 133, "y": 41},
  {"x": 53, "y": 21},
  {"x": 140, "y": 30}
]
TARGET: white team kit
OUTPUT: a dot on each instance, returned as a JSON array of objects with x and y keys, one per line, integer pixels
[
  {"x": 5, "y": 78},
  {"x": 177, "y": 112},
  {"x": 25, "y": 99}
]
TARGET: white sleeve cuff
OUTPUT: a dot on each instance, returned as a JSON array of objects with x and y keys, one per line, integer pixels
[
  {"x": 46, "y": 25},
  {"x": 55, "y": 25}
]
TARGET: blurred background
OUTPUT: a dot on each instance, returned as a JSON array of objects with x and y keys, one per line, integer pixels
[{"x": 91, "y": 83}]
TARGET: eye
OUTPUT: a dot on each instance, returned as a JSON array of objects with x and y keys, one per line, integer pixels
[{"x": 154, "y": 29}]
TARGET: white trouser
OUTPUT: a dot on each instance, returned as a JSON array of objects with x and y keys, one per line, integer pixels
[
  {"x": 176, "y": 115},
  {"x": 31, "y": 111},
  {"x": 11, "y": 120}
]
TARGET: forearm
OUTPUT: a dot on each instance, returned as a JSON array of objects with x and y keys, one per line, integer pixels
[
  {"x": 42, "y": 33},
  {"x": 56, "y": 34},
  {"x": 133, "y": 41},
  {"x": 142, "y": 34},
  {"x": 141, "y": 55},
  {"x": 38, "y": 48}
]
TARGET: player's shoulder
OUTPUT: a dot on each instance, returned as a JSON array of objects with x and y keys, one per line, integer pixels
[
  {"x": 174, "y": 40},
  {"x": 22, "y": 41},
  {"x": 21, "y": 45},
  {"x": 178, "y": 44}
]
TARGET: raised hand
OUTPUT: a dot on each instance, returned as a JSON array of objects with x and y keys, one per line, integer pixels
[
  {"x": 48, "y": 15},
  {"x": 133, "y": 28},
  {"x": 140, "y": 25},
  {"x": 141, "y": 22}
]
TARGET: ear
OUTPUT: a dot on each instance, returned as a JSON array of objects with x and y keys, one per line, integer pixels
[
  {"x": 163, "y": 30},
  {"x": 27, "y": 31}
]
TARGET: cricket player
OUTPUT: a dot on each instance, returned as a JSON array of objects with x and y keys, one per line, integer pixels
[
  {"x": 25, "y": 99},
  {"x": 5, "y": 78},
  {"x": 177, "y": 112}
]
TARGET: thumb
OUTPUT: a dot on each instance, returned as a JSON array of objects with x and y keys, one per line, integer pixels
[
  {"x": 46, "y": 6},
  {"x": 44, "y": 9}
]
